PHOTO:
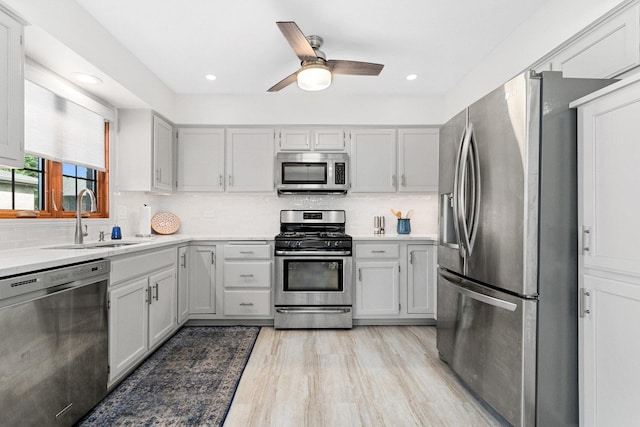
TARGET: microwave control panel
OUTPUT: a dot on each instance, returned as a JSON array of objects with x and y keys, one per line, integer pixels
[{"x": 340, "y": 173}]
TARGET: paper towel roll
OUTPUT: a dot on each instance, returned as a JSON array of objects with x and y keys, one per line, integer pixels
[{"x": 145, "y": 221}]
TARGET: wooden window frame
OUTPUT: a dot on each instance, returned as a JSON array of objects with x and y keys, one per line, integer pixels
[{"x": 53, "y": 190}]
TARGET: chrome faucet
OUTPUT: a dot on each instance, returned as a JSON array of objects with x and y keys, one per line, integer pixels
[{"x": 80, "y": 233}]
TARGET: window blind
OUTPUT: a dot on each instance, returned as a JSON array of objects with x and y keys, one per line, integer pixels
[{"x": 60, "y": 130}]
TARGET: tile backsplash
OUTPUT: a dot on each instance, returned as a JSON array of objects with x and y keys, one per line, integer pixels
[{"x": 232, "y": 215}]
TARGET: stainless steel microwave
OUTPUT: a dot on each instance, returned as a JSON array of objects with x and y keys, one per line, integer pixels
[{"x": 312, "y": 173}]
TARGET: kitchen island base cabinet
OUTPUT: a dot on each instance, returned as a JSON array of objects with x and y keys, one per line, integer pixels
[{"x": 143, "y": 309}]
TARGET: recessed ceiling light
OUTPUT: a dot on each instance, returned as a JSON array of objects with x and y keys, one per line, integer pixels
[
  {"x": 412, "y": 77},
  {"x": 210, "y": 77},
  {"x": 86, "y": 78}
]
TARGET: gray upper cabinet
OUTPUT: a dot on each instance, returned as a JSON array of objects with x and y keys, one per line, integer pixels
[
  {"x": 145, "y": 152},
  {"x": 200, "y": 163},
  {"x": 11, "y": 91},
  {"x": 418, "y": 160},
  {"x": 312, "y": 139},
  {"x": 373, "y": 161},
  {"x": 250, "y": 154}
]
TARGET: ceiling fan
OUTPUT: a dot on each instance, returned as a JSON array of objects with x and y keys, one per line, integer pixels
[{"x": 316, "y": 72}]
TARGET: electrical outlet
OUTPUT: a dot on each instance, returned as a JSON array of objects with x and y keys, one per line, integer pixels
[{"x": 208, "y": 214}]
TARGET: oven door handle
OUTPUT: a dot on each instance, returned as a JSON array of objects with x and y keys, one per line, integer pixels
[
  {"x": 313, "y": 253},
  {"x": 313, "y": 310}
]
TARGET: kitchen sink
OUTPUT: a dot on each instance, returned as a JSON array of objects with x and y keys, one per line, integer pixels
[{"x": 98, "y": 245}]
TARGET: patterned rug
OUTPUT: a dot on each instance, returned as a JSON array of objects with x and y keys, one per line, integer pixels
[{"x": 189, "y": 381}]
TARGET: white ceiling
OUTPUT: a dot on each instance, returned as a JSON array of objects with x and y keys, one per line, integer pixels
[{"x": 237, "y": 40}]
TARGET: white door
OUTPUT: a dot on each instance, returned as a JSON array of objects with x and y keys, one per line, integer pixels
[
  {"x": 609, "y": 260},
  {"x": 294, "y": 139},
  {"x": 250, "y": 160},
  {"x": 377, "y": 289},
  {"x": 162, "y": 155},
  {"x": 128, "y": 325},
  {"x": 609, "y": 155},
  {"x": 373, "y": 161},
  {"x": 200, "y": 159},
  {"x": 183, "y": 284},
  {"x": 420, "y": 279},
  {"x": 418, "y": 160},
  {"x": 609, "y": 348},
  {"x": 163, "y": 307},
  {"x": 202, "y": 279},
  {"x": 11, "y": 93}
]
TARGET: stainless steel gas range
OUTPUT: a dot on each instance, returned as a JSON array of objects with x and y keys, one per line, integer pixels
[{"x": 313, "y": 270}]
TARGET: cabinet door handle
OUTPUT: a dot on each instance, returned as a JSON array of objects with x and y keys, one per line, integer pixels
[
  {"x": 586, "y": 240},
  {"x": 411, "y": 257},
  {"x": 221, "y": 182},
  {"x": 213, "y": 257},
  {"x": 246, "y": 275},
  {"x": 148, "y": 295},
  {"x": 230, "y": 181},
  {"x": 403, "y": 180},
  {"x": 378, "y": 252},
  {"x": 156, "y": 286},
  {"x": 394, "y": 180},
  {"x": 184, "y": 260},
  {"x": 246, "y": 252},
  {"x": 359, "y": 275},
  {"x": 246, "y": 303}
]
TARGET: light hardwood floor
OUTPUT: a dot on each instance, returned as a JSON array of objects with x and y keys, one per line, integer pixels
[{"x": 366, "y": 376}]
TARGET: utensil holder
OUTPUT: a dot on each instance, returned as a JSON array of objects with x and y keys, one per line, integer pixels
[{"x": 404, "y": 226}]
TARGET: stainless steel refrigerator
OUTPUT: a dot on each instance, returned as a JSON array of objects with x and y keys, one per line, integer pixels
[{"x": 507, "y": 256}]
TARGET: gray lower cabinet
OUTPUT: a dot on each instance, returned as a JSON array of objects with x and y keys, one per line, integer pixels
[
  {"x": 394, "y": 281},
  {"x": 247, "y": 280},
  {"x": 143, "y": 309},
  {"x": 202, "y": 279}
]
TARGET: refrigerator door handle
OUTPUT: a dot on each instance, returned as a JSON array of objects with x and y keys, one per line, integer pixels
[
  {"x": 462, "y": 191},
  {"x": 496, "y": 302},
  {"x": 456, "y": 194},
  {"x": 474, "y": 218}
]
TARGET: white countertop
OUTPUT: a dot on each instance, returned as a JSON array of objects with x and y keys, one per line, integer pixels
[{"x": 20, "y": 261}]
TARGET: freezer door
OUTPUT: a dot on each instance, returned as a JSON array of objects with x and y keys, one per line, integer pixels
[
  {"x": 506, "y": 136},
  {"x": 450, "y": 139},
  {"x": 489, "y": 339}
]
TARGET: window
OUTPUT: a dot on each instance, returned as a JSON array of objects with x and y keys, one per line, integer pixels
[
  {"x": 23, "y": 189},
  {"x": 50, "y": 187},
  {"x": 67, "y": 141}
]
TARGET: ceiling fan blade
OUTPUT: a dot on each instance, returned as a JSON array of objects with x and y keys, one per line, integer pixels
[
  {"x": 339, "y": 66},
  {"x": 297, "y": 40},
  {"x": 283, "y": 83}
]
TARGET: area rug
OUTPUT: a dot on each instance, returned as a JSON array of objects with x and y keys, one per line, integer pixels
[{"x": 189, "y": 381}]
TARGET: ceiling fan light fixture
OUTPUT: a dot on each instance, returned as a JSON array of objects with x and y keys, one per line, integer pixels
[{"x": 314, "y": 77}]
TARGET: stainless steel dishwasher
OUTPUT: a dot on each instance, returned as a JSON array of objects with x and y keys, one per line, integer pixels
[{"x": 53, "y": 344}]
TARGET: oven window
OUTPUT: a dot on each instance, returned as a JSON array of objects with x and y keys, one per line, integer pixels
[
  {"x": 304, "y": 173},
  {"x": 313, "y": 275}
]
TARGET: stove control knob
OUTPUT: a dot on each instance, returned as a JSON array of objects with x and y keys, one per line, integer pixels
[
  {"x": 327, "y": 243},
  {"x": 336, "y": 243},
  {"x": 298, "y": 243}
]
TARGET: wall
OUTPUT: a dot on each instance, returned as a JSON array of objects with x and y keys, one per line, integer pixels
[
  {"x": 254, "y": 215},
  {"x": 311, "y": 108}
]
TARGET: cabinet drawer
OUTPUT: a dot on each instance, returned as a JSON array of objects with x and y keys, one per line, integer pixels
[
  {"x": 377, "y": 251},
  {"x": 128, "y": 267},
  {"x": 247, "y": 251},
  {"x": 247, "y": 274},
  {"x": 243, "y": 303}
]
